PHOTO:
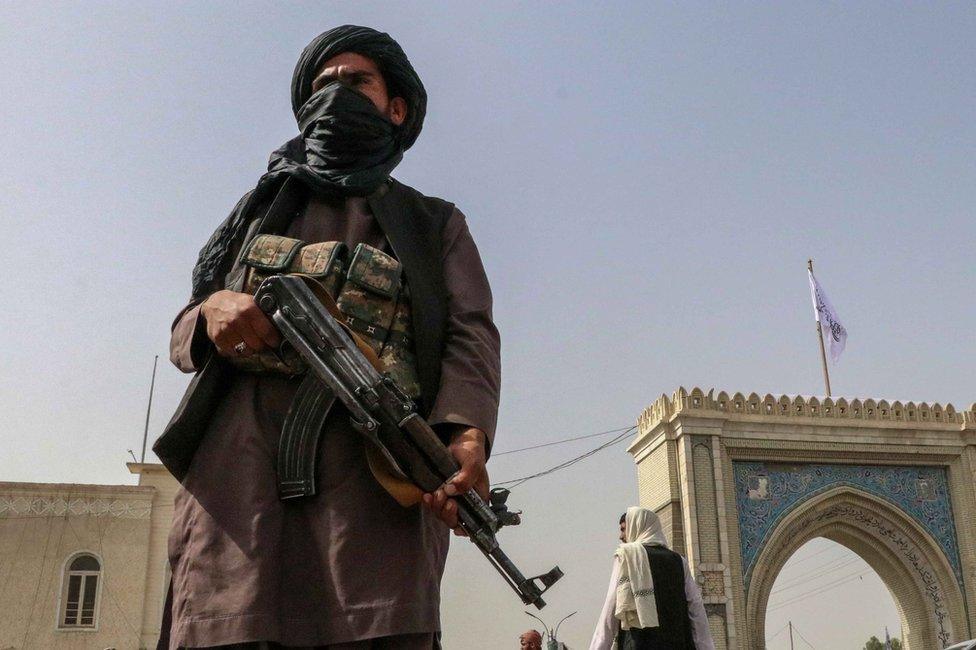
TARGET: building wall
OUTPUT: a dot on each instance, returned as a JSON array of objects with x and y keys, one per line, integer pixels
[
  {"x": 125, "y": 527},
  {"x": 156, "y": 578}
]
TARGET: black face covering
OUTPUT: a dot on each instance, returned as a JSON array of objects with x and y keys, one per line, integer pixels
[
  {"x": 347, "y": 147},
  {"x": 401, "y": 79}
]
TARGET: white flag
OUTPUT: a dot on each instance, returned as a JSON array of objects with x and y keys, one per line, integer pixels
[{"x": 825, "y": 313}]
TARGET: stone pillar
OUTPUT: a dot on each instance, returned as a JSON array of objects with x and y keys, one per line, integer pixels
[{"x": 680, "y": 477}]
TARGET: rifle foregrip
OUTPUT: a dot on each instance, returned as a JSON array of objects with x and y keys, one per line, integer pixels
[
  {"x": 430, "y": 445},
  {"x": 444, "y": 464}
]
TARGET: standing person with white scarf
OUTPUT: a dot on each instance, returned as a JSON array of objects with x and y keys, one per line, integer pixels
[{"x": 653, "y": 602}]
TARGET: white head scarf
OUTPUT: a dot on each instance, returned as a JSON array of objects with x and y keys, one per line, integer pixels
[{"x": 636, "y": 605}]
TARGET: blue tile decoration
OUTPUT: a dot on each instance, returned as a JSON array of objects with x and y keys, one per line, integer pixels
[{"x": 778, "y": 488}]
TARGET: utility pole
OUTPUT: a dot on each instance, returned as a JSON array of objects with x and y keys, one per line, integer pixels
[
  {"x": 553, "y": 642},
  {"x": 554, "y": 639},
  {"x": 544, "y": 626},
  {"x": 791, "y": 635}
]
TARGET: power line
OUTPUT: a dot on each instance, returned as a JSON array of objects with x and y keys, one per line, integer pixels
[
  {"x": 560, "y": 441},
  {"x": 796, "y": 581},
  {"x": 40, "y": 577},
  {"x": 515, "y": 482},
  {"x": 817, "y": 591},
  {"x": 803, "y": 638},
  {"x": 102, "y": 577},
  {"x": 813, "y": 555},
  {"x": 781, "y": 630},
  {"x": 16, "y": 554},
  {"x": 826, "y": 567},
  {"x": 825, "y": 586},
  {"x": 820, "y": 589},
  {"x": 572, "y": 461}
]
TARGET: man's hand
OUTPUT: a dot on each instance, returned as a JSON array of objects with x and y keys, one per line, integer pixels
[
  {"x": 234, "y": 318},
  {"x": 468, "y": 448}
]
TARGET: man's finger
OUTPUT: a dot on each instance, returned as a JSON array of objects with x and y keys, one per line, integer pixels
[
  {"x": 442, "y": 507},
  {"x": 246, "y": 334},
  {"x": 449, "y": 514},
  {"x": 481, "y": 486},
  {"x": 463, "y": 480},
  {"x": 264, "y": 328},
  {"x": 225, "y": 341},
  {"x": 439, "y": 499},
  {"x": 436, "y": 501}
]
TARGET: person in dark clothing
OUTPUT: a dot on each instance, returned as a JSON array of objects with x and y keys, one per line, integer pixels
[
  {"x": 346, "y": 568},
  {"x": 653, "y": 602}
]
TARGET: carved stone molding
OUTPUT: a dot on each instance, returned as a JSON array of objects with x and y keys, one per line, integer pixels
[
  {"x": 713, "y": 586},
  {"x": 16, "y": 506}
]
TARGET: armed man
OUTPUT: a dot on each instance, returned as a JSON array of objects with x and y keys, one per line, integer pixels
[{"x": 338, "y": 562}]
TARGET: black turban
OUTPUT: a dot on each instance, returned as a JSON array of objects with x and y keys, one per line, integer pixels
[{"x": 401, "y": 79}]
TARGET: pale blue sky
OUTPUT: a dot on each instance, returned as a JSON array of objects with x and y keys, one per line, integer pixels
[{"x": 645, "y": 183}]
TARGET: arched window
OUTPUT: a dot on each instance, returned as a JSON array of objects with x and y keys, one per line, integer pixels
[{"x": 79, "y": 592}]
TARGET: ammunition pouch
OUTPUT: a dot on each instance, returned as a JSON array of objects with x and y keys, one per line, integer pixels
[
  {"x": 369, "y": 289},
  {"x": 376, "y": 303}
]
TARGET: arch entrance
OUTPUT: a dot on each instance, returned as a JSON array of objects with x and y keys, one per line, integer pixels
[
  {"x": 742, "y": 482},
  {"x": 906, "y": 559}
]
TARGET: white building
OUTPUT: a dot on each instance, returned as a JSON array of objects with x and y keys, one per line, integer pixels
[{"x": 84, "y": 566}]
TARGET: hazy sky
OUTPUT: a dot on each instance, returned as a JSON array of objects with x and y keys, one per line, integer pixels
[{"x": 645, "y": 183}]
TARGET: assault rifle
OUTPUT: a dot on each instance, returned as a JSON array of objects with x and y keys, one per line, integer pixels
[{"x": 403, "y": 450}]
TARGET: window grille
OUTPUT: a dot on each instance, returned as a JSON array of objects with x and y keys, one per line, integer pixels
[{"x": 80, "y": 597}]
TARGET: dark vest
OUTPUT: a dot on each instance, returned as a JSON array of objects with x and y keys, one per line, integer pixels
[
  {"x": 674, "y": 630},
  {"x": 413, "y": 224}
]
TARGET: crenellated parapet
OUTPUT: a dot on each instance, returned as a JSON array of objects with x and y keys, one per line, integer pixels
[{"x": 696, "y": 400}]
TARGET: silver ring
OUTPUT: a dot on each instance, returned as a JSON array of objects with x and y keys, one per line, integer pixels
[{"x": 240, "y": 348}]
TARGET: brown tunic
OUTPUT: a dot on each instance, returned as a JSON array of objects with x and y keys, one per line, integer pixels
[{"x": 350, "y": 563}]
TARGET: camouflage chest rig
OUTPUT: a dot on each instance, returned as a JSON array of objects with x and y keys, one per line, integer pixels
[
  {"x": 368, "y": 286},
  {"x": 412, "y": 223}
]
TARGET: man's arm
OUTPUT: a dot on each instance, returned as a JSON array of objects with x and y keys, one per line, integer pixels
[
  {"x": 605, "y": 634},
  {"x": 188, "y": 340},
  {"x": 222, "y": 320},
  {"x": 218, "y": 319},
  {"x": 467, "y": 402},
  {"x": 696, "y": 612}
]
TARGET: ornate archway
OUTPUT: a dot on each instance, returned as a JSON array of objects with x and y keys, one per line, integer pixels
[
  {"x": 908, "y": 560},
  {"x": 741, "y": 482}
]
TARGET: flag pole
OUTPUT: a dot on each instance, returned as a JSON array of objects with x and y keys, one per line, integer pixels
[
  {"x": 823, "y": 353},
  {"x": 145, "y": 433}
]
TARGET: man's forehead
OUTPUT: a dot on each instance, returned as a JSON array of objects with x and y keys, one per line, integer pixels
[{"x": 352, "y": 60}]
